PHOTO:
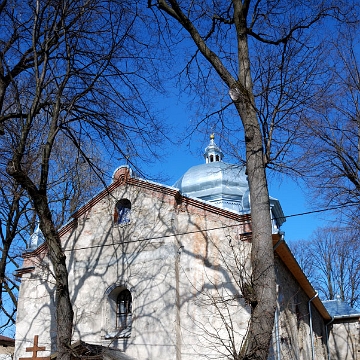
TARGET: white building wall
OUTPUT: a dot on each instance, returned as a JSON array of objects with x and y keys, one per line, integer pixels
[{"x": 182, "y": 264}]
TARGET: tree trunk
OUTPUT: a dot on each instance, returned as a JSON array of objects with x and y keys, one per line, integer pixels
[
  {"x": 64, "y": 311},
  {"x": 262, "y": 287},
  {"x": 263, "y": 302}
]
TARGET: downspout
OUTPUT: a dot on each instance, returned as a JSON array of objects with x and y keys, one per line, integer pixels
[
  {"x": 311, "y": 328},
  {"x": 179, "y": 249},
  {"x": 327, "y": 336},
  {"x": 277, "y": 334},
  {"x": 277, "y": 311},
  {"x": 280, "y": 241}
]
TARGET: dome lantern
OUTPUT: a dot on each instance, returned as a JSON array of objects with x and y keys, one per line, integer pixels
[
  {"x": 36, "y": 239},
  {"x": 212, "y": 152}
]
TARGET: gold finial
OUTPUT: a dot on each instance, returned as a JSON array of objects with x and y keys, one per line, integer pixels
[{"x": 212, "y": 136}]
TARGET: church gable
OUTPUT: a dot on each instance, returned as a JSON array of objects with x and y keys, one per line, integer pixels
[
  {"x": 130, "y": 199},
  {"x": 168, "y": 248}
]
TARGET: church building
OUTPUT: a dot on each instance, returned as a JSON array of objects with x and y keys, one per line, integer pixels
[{"x": 158, "y": 272}]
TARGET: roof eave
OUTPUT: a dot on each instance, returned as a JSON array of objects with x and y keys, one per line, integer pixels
[{"x": 285, "y": 254}]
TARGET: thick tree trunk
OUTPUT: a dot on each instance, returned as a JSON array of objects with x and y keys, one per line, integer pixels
[
  {"x": 10, "y": 227},
  {"x": 263, "y": 302},
  {"x": 262, "y": 289},
  {"x": 4, "y": 255},
  {"x": 64, "y": 311}
]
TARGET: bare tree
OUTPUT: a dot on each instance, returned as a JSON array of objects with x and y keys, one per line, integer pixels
[
  {"x": 330, "y": 159},
  {"x": 331, "y": 140},
  {"x": 332, "y": 263},
  {"x": 73, "y": 183},
  {"x": 259, "y": 52},
  {"x": 12, "y": 211},
  {"x": 69, "y": 70}
]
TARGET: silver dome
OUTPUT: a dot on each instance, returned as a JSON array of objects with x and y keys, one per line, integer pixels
[{"x": 222, "y": 184}]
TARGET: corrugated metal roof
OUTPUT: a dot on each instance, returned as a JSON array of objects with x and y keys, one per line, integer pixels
[{"x": 340, "y": 309}]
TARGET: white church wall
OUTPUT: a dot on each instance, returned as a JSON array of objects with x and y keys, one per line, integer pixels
[
  {"x": 35, "y": 311},
  {"x": 170, "y": 260},
  {"x": 135, "y": 256},
  {"x": 185, "y": 267},
  {"x": 294, "y": 335}
]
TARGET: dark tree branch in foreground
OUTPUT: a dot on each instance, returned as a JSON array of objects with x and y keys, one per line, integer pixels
[{"x": 71, "y": 97}]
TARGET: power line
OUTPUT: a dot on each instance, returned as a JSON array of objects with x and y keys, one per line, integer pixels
[
  {"x": 316, "y": 211},
  {"x": 154, "y": 238},
  {"x": 201, "y": 230}
]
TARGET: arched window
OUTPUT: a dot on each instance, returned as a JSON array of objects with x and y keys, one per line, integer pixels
[
  {"x": 118, "y": 310},
  {"x": 211, "y": 158},
  {"x": 123, "y": 310},
  {"x": 122, "y": 211}
]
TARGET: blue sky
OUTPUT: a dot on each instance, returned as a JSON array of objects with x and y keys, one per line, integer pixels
[{"x": 293, "y": 197}]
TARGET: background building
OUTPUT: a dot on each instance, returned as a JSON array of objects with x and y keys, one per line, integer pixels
[
  {"x": 7, "y": 346},
  {"x": 344, "y": 330}
]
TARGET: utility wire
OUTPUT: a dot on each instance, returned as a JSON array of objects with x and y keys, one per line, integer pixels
[
  {"x": 154, "y": 238},
  {"x": 201, "y": 230},
  {"x": 316, "y": 211}
]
